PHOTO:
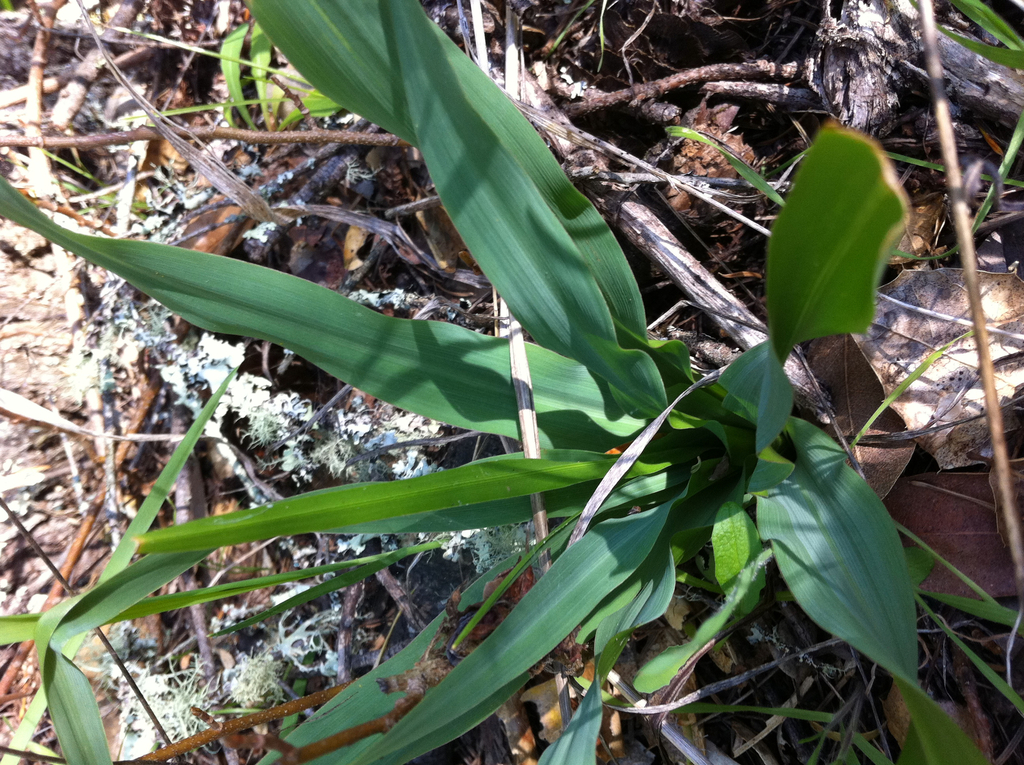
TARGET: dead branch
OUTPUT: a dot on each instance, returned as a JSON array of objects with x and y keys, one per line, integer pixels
[
  {"x": 755, "y": 70},
  {"x": 125, "y": 137}
]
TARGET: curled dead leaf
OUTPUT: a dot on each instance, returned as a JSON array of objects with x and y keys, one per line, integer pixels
[{"x": 902, "y": 337}]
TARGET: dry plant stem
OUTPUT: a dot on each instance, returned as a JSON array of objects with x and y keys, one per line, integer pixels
[
  {"x": 244, "y": 723},
  {"x": 394, "y": 588},
  {"x": 680, "y": 680},
  {"x": 88, "y": 70},
  {"x": 751, "y": 71},
  {"x": 99, "y": 633},
  {"x": 724, "y": 685},
  {"x": 318, "y": 137},
  {"x": 1007, "y": 495},
  {"x": 669, "y": 732},
  {"x": 353, "y": 596},
  {"x": 53, "y": 84},
  {"x": 523, "y": 385},
  {"x": 38, "y": 164},
  {"x": 66, "y": 570},
  {"x": 357, "y": 733},
  {"x": 31, "y": 756},
  {"x": 212, "y": 168},
  {"x": 72, "y": 213}
]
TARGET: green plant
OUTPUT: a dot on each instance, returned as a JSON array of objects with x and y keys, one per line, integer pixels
[{"x": 598, "y": 381}]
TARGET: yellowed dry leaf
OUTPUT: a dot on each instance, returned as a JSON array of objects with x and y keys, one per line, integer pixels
[{"x": 901, "y": 338}]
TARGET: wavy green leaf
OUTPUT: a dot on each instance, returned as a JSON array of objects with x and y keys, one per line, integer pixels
[
  {"x": 231, "y": 50},
  {"x": 828, "y": 246}
]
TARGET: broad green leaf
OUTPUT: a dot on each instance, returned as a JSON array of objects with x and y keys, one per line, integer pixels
[
  {"x": 358, "y": 73},
  {"x": 231, "y": 49},
  {"x": 499, "y": 182},
  {"x": 436, "y": 369},
  {"x": 771, "y": 470},
  {"x": 736, "y": 543},
  {"x": 359, "y": 503},
  {"x": 17, "y": 628},
  {"x": 840, "y": 554},
  {"x": 73, "y": 708},
  {"x": 934, "y": 739},
  {"x": 502, "y": 213},
  {"x": 828, "y": 246},
  {"x": 576, "y": 582},
  {"x": 576, "y": 744},
  {"x": 760, "y": 391},
  {"x": 655, "y": 577},
  {"x": 659, "y": 671},
  {"x": 645, "y": 491}
]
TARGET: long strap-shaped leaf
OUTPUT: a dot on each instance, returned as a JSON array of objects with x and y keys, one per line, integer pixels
[
  {"x": 576, "y": 583},
  {"x": 438, "y": 370},
  {"x": 360, "y": 503},
  {"x": 539, "y": 241}
]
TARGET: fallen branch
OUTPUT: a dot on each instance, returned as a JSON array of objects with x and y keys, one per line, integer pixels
[
  {"x": 125, "y": 137},
  {"x": 755, "y": 70}
]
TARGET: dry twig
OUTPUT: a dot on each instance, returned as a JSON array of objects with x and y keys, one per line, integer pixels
[{"x": 1007, "y": 495}]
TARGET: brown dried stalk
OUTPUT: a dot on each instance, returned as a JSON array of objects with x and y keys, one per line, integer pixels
[
  {"x": 1007, "y": 495},
  {"x": 243, "y": 723},
  {"x": 318, "y": 137}
]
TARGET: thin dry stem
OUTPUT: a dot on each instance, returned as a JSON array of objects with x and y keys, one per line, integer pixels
[
  {"x": 1007, "y": 499},
  {"x": 244, "y": 723},
  {"x": 316, "y": 137},
  {"x": 99, "y": 633}
]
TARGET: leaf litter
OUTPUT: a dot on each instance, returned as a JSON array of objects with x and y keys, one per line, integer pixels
[{"x": 903, "y": 334}]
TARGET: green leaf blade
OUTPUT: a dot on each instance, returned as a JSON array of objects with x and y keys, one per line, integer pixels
[
  {"x": 361, "y": 503},
  {"x": 840, "y": 554},
  {"x": 438, "y": 370},
  {"x": 829, "y": 243}
]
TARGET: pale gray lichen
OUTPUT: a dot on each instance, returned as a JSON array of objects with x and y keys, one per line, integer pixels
[
  {"x": 487, "y": 547},
  {"x": 171, "y": 697},
  {"x": 255, "y": 681}
]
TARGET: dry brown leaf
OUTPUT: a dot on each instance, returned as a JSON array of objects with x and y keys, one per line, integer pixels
[
  {"x": 856, "y": 394},
  {"x": 518, "y": 731},
  {"x": 954, "y": 514},
  {"x": 213, "y": 238},
  {"x": 923, "y": 223},
  {"x": 900, "y": 339},
  {"x": 355, "y": 238},
  {"x": 897, "y": 716},
  {"x": 545, "y": 697},
  {"x": 445, "y": 241}
]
